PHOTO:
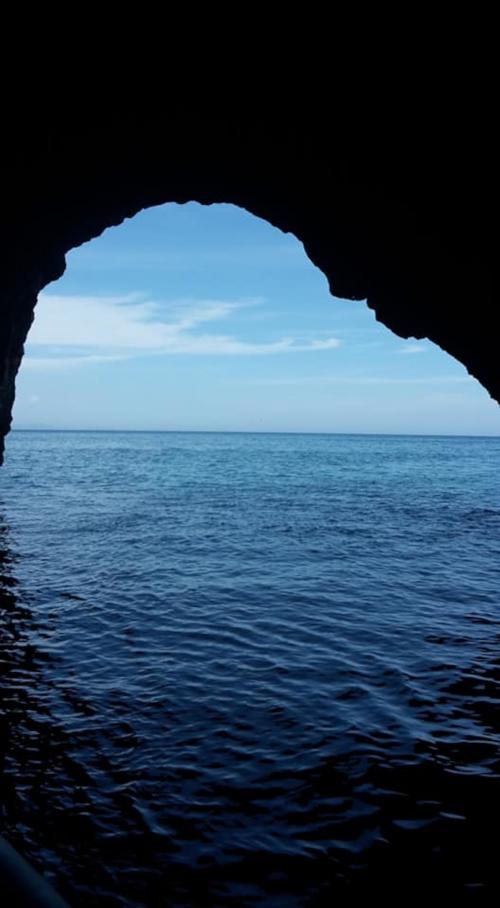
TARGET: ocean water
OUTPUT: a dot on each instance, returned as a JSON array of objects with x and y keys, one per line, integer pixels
[{"x": 251, "y": 670}]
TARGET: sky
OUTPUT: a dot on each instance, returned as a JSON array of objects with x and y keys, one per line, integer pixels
[{"x": 205, "y": 318}]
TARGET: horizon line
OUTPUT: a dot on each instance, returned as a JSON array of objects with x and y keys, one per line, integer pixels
[{"x": 254, "y": 432}]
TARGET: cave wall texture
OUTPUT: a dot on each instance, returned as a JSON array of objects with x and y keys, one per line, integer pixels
[{"x": 396, "y": 205}]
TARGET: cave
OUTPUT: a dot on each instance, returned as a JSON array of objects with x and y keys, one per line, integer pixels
[
  {"x": 405, "y": 224},
  {"x": 394, "y": 207}
]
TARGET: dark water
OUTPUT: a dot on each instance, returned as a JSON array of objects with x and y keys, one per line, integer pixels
[{"x": 251, "y": 670}]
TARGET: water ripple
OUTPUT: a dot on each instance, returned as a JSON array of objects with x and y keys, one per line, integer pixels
[{"x": 251, "y": 670}]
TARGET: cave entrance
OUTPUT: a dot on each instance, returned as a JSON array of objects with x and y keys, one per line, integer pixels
[{"x": 191, "y": 317}]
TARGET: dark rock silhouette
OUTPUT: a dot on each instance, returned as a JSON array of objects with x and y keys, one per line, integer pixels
[{"x": 392, "y": 200}]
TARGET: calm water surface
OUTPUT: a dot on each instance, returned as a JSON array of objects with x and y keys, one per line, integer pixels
[{"x": 251, "y": 670}]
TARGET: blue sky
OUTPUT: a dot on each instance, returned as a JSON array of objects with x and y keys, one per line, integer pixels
[{"x": 206, "y": 318}]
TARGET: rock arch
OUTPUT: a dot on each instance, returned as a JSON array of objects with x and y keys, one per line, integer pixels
[{"x": 405, "y": 223}]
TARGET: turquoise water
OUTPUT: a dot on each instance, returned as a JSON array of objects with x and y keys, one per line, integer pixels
[{"x": 250, "y": 669}]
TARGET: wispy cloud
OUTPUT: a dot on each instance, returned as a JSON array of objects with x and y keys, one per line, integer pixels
[
  {"x": 414, "y": 348},
  {"x": 363, "y": 380},
  {"x": 33, "y": 362},
  {"x": 80, "y": 330}
]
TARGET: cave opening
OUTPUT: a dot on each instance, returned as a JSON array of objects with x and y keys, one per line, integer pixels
[{"x": 198, "y": 317}]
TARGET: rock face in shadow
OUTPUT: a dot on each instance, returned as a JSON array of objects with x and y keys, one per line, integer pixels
[{"x": 395, "y": 206}]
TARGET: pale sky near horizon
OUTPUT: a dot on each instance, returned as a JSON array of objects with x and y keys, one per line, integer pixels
[{"x": 191, "y": 317}]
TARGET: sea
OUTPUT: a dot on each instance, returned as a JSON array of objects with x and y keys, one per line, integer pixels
[{"x": 251, "y": 669}]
